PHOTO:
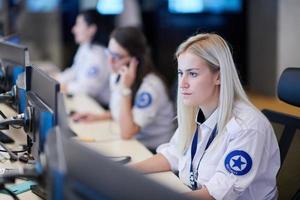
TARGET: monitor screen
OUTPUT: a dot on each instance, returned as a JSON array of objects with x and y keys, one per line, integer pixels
[
  {"x": 75, "y": 171},
  {"x": 62, "y": 116},
  {"x": 45, "y": 87},
  {"x": 110, "y": 7},
  {"x": 13, "y": 53},
  {"x": 208, "y": 6},
  {"x": 41, "y": 107},
  {"x": 39, "y": 120},
  {"x": 13, "y": 60},
  {"x": 42, "y": 5},
  {"x": 13, "y": 39}
]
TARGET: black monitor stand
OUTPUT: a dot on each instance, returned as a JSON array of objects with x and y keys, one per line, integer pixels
[{"x": 5, "y": 139}]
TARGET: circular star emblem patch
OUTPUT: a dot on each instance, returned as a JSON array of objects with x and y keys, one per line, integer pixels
[
  {"x": 143, "y": 100},
  {"x": 93, "y": 71},
  {"x": 238, "y": 162}
]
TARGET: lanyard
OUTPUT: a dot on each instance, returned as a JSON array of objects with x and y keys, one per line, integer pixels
[{"x": 194, "y": 175}]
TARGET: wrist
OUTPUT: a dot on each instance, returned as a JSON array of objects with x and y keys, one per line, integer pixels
[{"x": 125, "y": 91}]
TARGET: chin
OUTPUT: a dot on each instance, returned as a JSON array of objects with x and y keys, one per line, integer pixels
[{"x": 189, "y": 103}]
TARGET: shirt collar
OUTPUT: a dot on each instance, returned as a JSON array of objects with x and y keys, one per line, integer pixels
[{"x": 210, "y": 122}]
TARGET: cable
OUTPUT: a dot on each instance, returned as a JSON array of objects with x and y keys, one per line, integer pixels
[
  {"x": 12, "y": 121},
  {"x": 17, "y": 151},
  {"x": 2, "y": 115},
  {"x": 12, "y": 156}
]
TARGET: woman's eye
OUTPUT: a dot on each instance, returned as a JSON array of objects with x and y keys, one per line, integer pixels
[
  {"x": 180, "y": 73},
  {"x": 193, "y": 74}
]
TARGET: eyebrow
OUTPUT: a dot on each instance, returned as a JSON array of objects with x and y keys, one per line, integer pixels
[{"x": 190, "y": 69}]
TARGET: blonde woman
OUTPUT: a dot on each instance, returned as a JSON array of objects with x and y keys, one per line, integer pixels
[{"x": 224, "y": 148}]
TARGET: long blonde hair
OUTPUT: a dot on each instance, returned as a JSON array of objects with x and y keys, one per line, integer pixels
[{"x": 214, "y": 50}]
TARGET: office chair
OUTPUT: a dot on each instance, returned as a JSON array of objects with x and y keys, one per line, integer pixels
[{"x": 288, "y": 90}]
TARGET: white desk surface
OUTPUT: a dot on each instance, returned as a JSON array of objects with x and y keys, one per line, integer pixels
[
  {"x": 108, "y": 141},
  {"x": 20, "y": 138}
]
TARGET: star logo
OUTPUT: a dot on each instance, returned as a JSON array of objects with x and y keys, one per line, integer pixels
[{"x": 238, "y": 162}]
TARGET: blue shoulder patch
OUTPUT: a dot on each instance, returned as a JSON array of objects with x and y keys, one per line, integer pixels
[
  {"x": 238, "y": 162},
  {"x": 143, "y": 100},
  {"x": 93, "y": 71}
]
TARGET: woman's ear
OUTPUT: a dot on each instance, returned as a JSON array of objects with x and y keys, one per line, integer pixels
[
  {"x": 218, "y": 78},
  {"x": 92, "y": 29}
]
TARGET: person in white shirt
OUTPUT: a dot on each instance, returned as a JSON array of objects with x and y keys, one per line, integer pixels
[
  {"x": 224, "y": 148},
  {"x": 89, "y": 73},
  {"x": 139, "y": 101}
]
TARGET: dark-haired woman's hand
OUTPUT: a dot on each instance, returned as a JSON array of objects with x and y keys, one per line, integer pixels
[{"x": 128, "y": 73}]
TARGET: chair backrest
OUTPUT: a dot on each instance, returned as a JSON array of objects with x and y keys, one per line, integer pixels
[{"x": 288, "y": 90}]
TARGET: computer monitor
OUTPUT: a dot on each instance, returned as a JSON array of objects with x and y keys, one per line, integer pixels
[
  {"x": 13, "y": 59},
  {"x": 62, "y": 116},
  {"x": 12, "y": 38},
  {"x": 44, "y": 86},
  {"x": 14, "y": 53},
  {"x": 41, "y": 107},
  {"x": 110, "y": 7},
  {"x": 205, "y": 6},
  {"x": 75, "y": 171},
  {"x": 42, "y": 6}
]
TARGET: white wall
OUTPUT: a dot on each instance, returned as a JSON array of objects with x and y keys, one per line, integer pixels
[
  {"x": 262, "y": 45},
  {"x": 274, "y": 42},
  {"x": 288, "y": 35}
]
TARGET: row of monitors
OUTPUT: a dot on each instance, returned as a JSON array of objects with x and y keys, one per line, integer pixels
[
  {"x": 114, "y": 7},
  {"x": 66, "y": 158},
  {"x": 34, "y": 93},
  {"x": 74, "y": 171}
]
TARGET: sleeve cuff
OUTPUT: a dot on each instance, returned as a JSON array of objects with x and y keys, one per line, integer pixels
[
  {"x": 142, "y": 121},
  {"x": 222, "y": 188},
  {"x": 164, "y": 149}
]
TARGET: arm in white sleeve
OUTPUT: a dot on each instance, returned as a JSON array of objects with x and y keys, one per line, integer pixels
[
  {"x": 239, "y": 166},
  {"x": 146, "y": 105},
  {"x": 68, "y": 75},
  {"x": 170, "y": 151}
]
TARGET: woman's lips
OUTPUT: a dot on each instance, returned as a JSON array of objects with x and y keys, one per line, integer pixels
[{"x": 185, "y": 93}]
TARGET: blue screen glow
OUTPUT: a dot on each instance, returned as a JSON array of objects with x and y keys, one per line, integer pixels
[
  {"x": 198, "y": 6},
  {"x": 42, "y": 5},
  {"x": 110, "y": 7}
]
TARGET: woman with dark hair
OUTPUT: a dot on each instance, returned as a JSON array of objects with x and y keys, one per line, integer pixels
[
  {"x": 139, "y": 100},
  {"x": 89, "y": 73}
]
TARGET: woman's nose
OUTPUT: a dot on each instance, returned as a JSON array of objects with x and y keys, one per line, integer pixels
[
  {"x": 110, "y": 59},
  {"x": 73, "y": 29},
  {"x": 183, "y": 82}
]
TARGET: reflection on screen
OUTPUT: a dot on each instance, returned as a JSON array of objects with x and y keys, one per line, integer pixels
[
  {"x": 210, "y": 6},
  {"x": 110, "y": 7},
  {"x": 41, "y": 5},
  {"x": 186, "y": 6},
  {"x": 13, "y": 39}
]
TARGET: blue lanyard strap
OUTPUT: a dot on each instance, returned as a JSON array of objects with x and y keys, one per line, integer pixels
[{"x": 193, "y": 176}]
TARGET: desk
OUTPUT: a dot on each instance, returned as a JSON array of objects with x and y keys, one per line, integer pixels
[
  {"x": 107, "y": 138},
  {"x": 109, "y": 143},
  {"x": 20, "y": 138}
]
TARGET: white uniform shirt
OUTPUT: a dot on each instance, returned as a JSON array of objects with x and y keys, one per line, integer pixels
[
  {"x": 153, "y": 111},
  {"x": 89, "y": 73},
  {"x": 241, "y": 164}
]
